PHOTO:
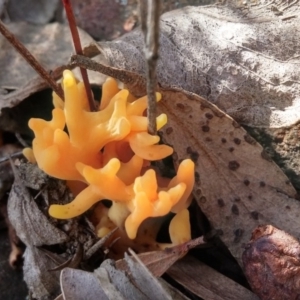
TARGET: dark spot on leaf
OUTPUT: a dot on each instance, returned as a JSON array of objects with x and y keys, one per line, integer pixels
[
  {"x": 202, "y": 199},
  {"x": 237, "y": 141},
  {"x": 209, "y": 116},
  {"x": 238, "y": 233},
  {"x": 235, "y": 209},
  {"x": 265, "y": 155},
  {"x": 249, "y": 139},
  {"x": 233, "y": 165},
  {"x": 254, "y": 215},
  {"x": 190, "y": 116},
  {"x": 236, "y": 124},
  {"x": 180, "y": 106},
  {"x": 250, "y": 197},
  {"x": 169, "y": 130},
  {"x": 193, "y": 154},
  {"x": 288, "y": 207},
  {"x": 183, "y": 107},
  {"x": 223, "y": 140},
  {"x": 208, "y": 139},
  {"x": 205, "y": 128},
  {"x": 262, "y": 184},
  {"x": 217, "y": 112},
  {"x": 231, "y": 149},
  {"x": 237, "y": 199},
  {"x": 197, "y": 177},
  {"x": 246, "y": 182},
  {"x": 221, "y": 202},
  {"x": 198, "y": 192}
]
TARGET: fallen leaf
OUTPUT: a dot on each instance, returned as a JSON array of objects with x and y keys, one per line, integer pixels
[
  {"x": 41, "y": 283},
  {"x": 158, "y": 262},
  {"x": 32, "y": 11},
  {"x": 31, "y": 225},
  {"x": 106, "y": 284},
  {"x": 144, "y": 279},
  {"x": 206, "y": 282},
  {"x": 244, "y": 59},
  {"x": 122, "y": 282},
  {"x": 237, "y": 185},
  {"x": 78, "y": 285},
  {"x": 50, "y": 44},
  {"x": 32, "y": 193}
]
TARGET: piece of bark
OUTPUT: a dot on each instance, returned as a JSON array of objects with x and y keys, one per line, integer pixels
[
  {"x": 271, "y": 264},
  {"x": 206, "y": 282}
]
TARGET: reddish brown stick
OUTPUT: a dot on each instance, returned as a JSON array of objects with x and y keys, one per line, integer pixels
[{"x": 78, "y": 49}]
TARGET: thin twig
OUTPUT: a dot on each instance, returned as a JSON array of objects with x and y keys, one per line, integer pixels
[
  {"x": 78, "y": 50},
  {"x": 6, "y": 158},
  {"x": 132, "y": 80},
  {"x": 150, "y": 27},
  {"x": 31, "y": 60}
]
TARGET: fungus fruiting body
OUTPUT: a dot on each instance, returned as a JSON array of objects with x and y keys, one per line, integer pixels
[{"x": 110, "y": 152}]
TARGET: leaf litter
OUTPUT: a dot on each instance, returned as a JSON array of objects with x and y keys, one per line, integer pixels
[{"x": 238, "y": 186}]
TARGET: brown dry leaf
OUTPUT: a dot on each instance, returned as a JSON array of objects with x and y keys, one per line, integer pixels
[
  {"x": 271, "y": 264},
  {"x": 102, "y": 19},
  {"x": 244, "y": 59},
  {"x": 50, "y": 44},
  {"x": 31, "y": 225},
  {"x": 158, "y": 262},
  {"x": 32, "y": 193},
  {"x": 107, "y": 282},
  {"x": 144, "y": 279},
  {"x": 206, "y": 282},
  {"x": 78, "y": 285},
  {"x": 107, "y": 20},
  {"x": 122, "y": 282},
  {"x": 137, "y": 282},
  {"x": 6, "y": 173},
  {"x": 41, "y": 283},
  {"x": 32, "y": 11},
  {"x": 237, "y": 186}
]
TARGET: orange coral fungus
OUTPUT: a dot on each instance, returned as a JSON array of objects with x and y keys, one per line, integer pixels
[{"x": 108, "y": 150}]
